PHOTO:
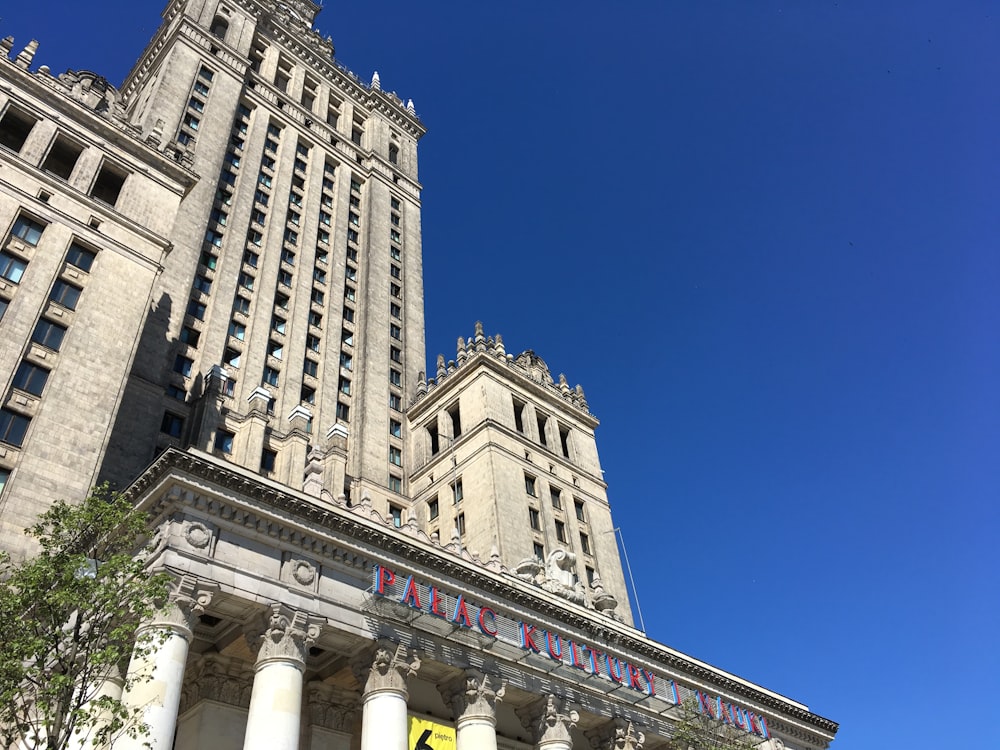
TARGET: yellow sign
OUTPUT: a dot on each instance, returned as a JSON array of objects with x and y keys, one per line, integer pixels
[{"x": 428, "y": 735}]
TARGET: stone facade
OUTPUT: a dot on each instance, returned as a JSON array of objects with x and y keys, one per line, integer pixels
[{"x": 211, "y": 295}]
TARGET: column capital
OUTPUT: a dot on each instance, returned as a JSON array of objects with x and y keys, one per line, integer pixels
[
  {"x": 474, "y": 695},
  {"x": 550, "y": 719},
  {"x": 187, "y": 599},
  {"x": 617, "y": 734},
  {"x": 390, "y": 667},
  {"x": 282, "y": 634}
]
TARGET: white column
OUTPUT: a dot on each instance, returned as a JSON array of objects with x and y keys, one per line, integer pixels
[
  {"x": 383, "y": 722},
  {"x": 156, "y": 672},
  {"x": 282, "y": 641},
  {"x": 474, "y": 699},
  {"x": 110, "y": 687}
]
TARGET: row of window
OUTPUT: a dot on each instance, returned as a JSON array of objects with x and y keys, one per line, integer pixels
[
  {"x": 542, "y": 422},
  {"x": 62, "y": 155}
]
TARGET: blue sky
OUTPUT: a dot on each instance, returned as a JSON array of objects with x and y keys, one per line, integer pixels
[{"x": 763, "y": 237}]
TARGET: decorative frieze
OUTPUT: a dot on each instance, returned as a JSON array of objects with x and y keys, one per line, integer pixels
[
  {"x": 332, "y": 707},
  {"x": 216, "y": 678}
]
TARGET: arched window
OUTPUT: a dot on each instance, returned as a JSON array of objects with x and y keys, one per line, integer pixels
[{"x": 219, "y": 27}]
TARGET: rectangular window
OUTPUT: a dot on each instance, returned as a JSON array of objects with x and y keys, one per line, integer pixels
[
  {"x": 349, "y": 292},
  {"x": 343, "y": 412},
  {"x": 246, "y": 281},
  {"x": 28, "y": 230},
  {"x": 310, "y": 367},
  {"x": 534, "y": 519},
  {"x": 62, "y": 158},
  {"x": 348, "y": 315},
  {"x": 203, "y": 284},
  {"x": 191, "y": 122},
  {"x": 394, "y": 236},
  {"x": 319, "y": 275},
  {"x": 237, "y": 330},
  {"x": 275, "y": 349},
  {"x": 241, "y": 305},
  {"x": 183, "y": 365},
  {"x": 541, "y": 419},
  {"x": 224, "y": 441},
  {"x": 456, "y": 491},
  {"x": 585, "y": 544},
  {"x": 268, "y": 460},
  {"x": 433, "y": 508},
  {"x": 396, "y": 378},
  {"x": 556, "y": 496},
  {"x": 312, "y": 342},
  {"x": 395, "y": 483},
  {"x": 344, "y": 386},
  {"x": 529, "y": 485},
  {"x": 351, "y": 272},
  {"x": 30, "y": 378},
  {"x": 395, "y": 402},
  {"x": 251, "y": 258},
  {"x": 347, "y": 337},
  {"x": 196, "y": 309},
  {"x": 564, "y": 439},
  {"x": 590, "y": 576},
  {"x": 578, "y": 504},
  {"x": 317, "y": 296},
  {"x": 48, "y": 334},
  {"x": 80, "y": 257},
  {"x": 395, "y": 253},
  {"x": 307, "y": 394},
  {"x": 395, "y": 310},
  {"x": 108, "y": 185},
  {"x": 12, "y": 268},
  {"x": 395, "y": 290},
  {"x": 13, "y": 427},
  {"x": 3, "y": 307},
  {"x": 394, "y": 203},
  {"x": 455, "y": 413},
  {"x": 395, "y": 455},
  {"x": 172, "y": 424},
  {"x": 4, "y": 478},
  {"x": 396, "y": 272},
  {"x": 190, "y": 336},
  {"x": 270, "y": 376},
  {"x": 396, "y": 513},
  {"x": 460, "y": 524},
  {"x": 14, "y": 129},
  {"x": 315, "y": 319},
  {"x": 395, "y": 354},
  {"x": 539, "y": 551},
  {"x": 395, "y": 428},
  {"x": 560, "y": 531},
  {"x": 284, "y": 277}
]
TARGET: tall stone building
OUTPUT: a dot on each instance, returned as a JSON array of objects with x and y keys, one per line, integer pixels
[{"x": 211, "y": 296}]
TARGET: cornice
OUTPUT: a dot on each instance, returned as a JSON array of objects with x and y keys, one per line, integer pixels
[{"x": 267, "y": 497}]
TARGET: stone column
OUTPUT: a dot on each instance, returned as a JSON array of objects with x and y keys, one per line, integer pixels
[
  {"x": 281, "y": 638},
  {"x": 112, "y": 687},
  {"x": 383, "y": 721},
  {"x": 619, "y": 734},
  {"x": 474, "y": 698},
  {"x": 156, "y": 672},
  {"x": 551, "y": 721}
]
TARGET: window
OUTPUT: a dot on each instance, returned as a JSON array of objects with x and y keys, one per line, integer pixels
[
  {"x": 278, "y": 325},
  {"x": 312, "y": 342},
  {"x": 275, "y": 349},
  {"x": 343, "y": 412},
  {"x": 395, "y": 455},
  {"x": 529, "y": 485},
  {"x": 456, "y": 419},
  {"x": 268, "y": 460},
  {"x": 62, "y": 158},
  {"x": 251, "y": 258},
  {"x": 307, "y": 394},
  {"x": 396, "y": 290},
  {"x": 539, "y": 551},
  {"x": 395, "y": 354},
  {"x": 352, "y": 236},
  {"x": 310, "y": 367},
  {"x": 352, "y": 254},
  {"x": 395, "y": 428},
  {"x": 590, "y": 576},
  {"x": 349, "y": 293},
  {"x": 460, "y": 524},
  {"x": 285, "y": 277},
  {"x": 564, "y": 439},
  {"x": 281, "y": 300},
  {"x": 395, "y": 310},
  {"x": 172, "y": 424},
  {"x": 237, "y": 330},
  {"x": 4, "y": 478},
  {"x": 183, "y": 365},
  {"x": 456, "y": 491},
  {"x": 394, "y": 253},
  {"x": 270, "y": 376},
  {"x": 395, "y": 236},
  {"x": 393, "y": 154},
  {"x": 432, "y": 432},
  {"x": 395, "y": 271},
  {"x": 317, "y": 296},
  {"x": 219, "y": 27},
  {"x": 213, "y": 238},
  {"x": 319, "y": 275},
  {"x": 322, "y": 256},
  {"x": 315, "y": 319},
  {"x": 196, "y": 309},
  {"x": 12, "y": 268},
  {"x": 80, "y": 257},
  {"x": 396, "y": 378},
  {"x": 397, "y": 515},
  {"x": 351, "y": 272},
  {"x": 560, "y": 531},
  {"x": 201, "y": 89},
  {"x": 13, "y": 427},
  {"x": 394, "y": 202},
  {"x": 28, "y": 231},
  {"x": 30, "y": 378},
  {"x": 585, "y": 544},
  {"x": 3, "y": 307},
  {"x": 394, "y": 218},
  {"x": 433, "y": 509},
  {"x": 534, "y": 519},
  {"x": 190, "y": 336},
  {"x": 224, "y": 441},
  {"x": 344, "y": 386},
  {"x": 198, "y": 106},
  {"x": 241, "y": 305},
  {"x": 395, "y": 402},
  {"x": 246, "y": 281},
  {"x": 48, "y": 334},
  {"x": 542, "y": 419},
  {"x": 208, "y": 260},
  {"x": 203, "y": 284},
  {"x": 348, "y": 315},
  {"x": 556, "y": 496},
  {"x": 578, "y": 504},
  {"x": 14, "y": 129},
  {"x": 108, "y": 185},
  {"x": 262, "y": 198},
  {"x": 395, "y": 483},
  {"x": 346, "y": 361},
  {"x": 190, "y": 121}
]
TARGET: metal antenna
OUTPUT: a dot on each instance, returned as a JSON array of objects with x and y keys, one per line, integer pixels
[{"x": 635, "y": 591}]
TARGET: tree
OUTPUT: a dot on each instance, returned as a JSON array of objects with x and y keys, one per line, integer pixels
[
  {"x": 68, "y": 619},
  {"x": 699, "y": 730}
]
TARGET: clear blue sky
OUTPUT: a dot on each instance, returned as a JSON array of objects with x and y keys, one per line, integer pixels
[{"x": 763, "y": 236}]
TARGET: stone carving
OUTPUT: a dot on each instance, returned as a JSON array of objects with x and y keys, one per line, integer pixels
[
  {"x": 603, "y": 602},
  {"x": 331, "y": 707},
  {"x": 94, "y": 92},
  {"x": 283, "y": 634},
  {"x": 298, "y": 570},
  {"x": 188, "y": 599},
  {"x": 556, "y": 721},
  {"x": 627, "y": 738},
  {"x": 391, "y": 668},
  {"x": 198, "y": 535},
  {"x": 475, "y": 695},
  {"x": 557, "y": 575},
  {"x": 216, "y": 678}
]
